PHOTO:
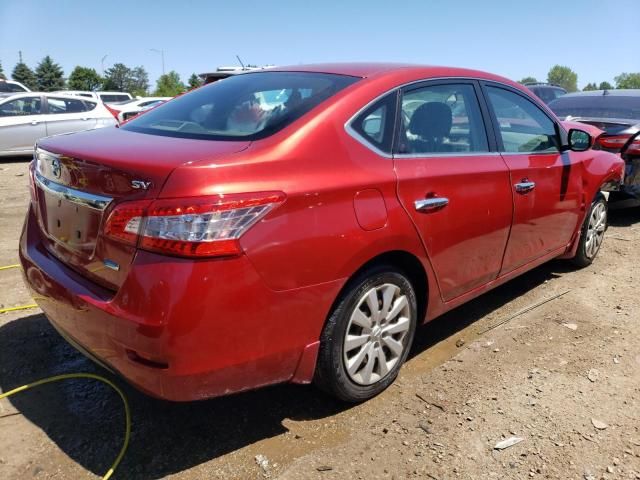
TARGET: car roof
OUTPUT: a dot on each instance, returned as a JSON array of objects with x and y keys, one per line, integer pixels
[
  {"x": 366, "y": 70},
  {"x": 609, "y": 93}
]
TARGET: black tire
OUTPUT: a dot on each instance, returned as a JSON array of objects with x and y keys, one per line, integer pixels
[
  {"x": 586, "y": 253},
  {"x": 331, "y": 373}
]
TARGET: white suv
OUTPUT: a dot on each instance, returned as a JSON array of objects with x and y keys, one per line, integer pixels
[
  {"x": 106, "y": 97},
  {"x": 10, "y": 87}
]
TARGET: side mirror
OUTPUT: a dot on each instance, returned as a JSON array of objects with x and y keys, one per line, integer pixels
[{"x": 579, "y": 140}]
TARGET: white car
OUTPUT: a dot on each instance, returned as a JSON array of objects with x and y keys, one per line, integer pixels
[
  {"x": 27, "y": 117},
  {"x": 106, "y": 97},
  {"x": 131, "y": 108}
]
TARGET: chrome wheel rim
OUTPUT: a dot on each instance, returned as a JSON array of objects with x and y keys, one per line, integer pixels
[
  {"x": 375, "y": 338},
  {"x": 595, "y": 230}
]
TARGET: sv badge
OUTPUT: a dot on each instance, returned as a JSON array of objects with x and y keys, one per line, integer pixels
[{"x": 140, "y": 184}]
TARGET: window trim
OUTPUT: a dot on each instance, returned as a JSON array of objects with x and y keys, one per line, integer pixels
[
  {"x": 561, "y": 134},
  {"x": 389, "y": 128}
]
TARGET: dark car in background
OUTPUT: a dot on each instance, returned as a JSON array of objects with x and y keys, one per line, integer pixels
[
  {"x": 617, "y": 113},
  {"x": 547, "y": 92}
]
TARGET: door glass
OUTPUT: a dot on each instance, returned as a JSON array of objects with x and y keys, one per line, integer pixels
[
  {"x": 523, "y": 126},
  {"x": 20, "y": 106},
  {"x": 66, "y": 105},
  {"x": 442, "y": 119}
]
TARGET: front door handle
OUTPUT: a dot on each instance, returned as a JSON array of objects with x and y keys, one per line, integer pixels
[
  {"x": 525, "y": 186},
  {"x": 431, "y": 204}
]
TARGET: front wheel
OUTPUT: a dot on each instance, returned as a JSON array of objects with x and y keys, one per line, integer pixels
[
  {"x": 592, "y": 233},
  {"x": 368, "y": 335}
]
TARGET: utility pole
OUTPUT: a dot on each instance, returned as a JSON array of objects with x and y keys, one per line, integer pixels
[
  {"x": 161, "y": 52},
  {"x": 102, "y": 62}
]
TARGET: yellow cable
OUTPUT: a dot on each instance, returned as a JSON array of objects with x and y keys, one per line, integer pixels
[
  {"x": 66, "y": 376},
  {"x": 21, "y": 307},
  {"x": 10, "y": 266}
]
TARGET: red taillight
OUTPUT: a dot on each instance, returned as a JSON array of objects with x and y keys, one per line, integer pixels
[
  {"x": 125, "y": 220},
  {"x": 616, "y": 142},
  {"x": 190, "y": 227}
]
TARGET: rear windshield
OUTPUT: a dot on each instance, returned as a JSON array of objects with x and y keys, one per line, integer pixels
[
  {"x": 112, "y": 98},
  {"x": 597, "y": 106},
  {"x": 11, "y": 87},
  {"x": 241, "y": 107}
]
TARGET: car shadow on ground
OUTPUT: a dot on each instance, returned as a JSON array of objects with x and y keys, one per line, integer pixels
[
  {"x": 624, "y": 217},
  {"x": 85, "y": 419}
]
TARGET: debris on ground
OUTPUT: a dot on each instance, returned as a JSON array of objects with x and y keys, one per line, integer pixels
[
  {"x": 599, "y": 424},
  {"x": 509, "y": 442}
]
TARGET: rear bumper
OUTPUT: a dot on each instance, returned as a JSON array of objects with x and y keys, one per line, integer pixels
[{"x": 182, "y": 330}]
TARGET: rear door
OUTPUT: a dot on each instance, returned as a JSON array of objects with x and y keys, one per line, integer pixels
[
  {"x": 453, "y": 183},
  {"x": 21, "y": 123},
  {"x": 547, "y": 184},
  {"x": 66, "y": 115}
]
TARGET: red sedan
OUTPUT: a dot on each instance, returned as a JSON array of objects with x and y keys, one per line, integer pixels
[{"x": 295, "y": 225}]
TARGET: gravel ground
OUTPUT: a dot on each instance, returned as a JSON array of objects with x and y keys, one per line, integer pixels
[{"x": 564, "y": 378}]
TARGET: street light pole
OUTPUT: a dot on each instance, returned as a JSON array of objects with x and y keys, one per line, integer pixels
[
  {"x": 102, "y": 62},
  {"x": 161, "y": 52}
]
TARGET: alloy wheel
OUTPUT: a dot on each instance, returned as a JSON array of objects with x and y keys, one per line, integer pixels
[
  {"x": 595, "y": 229},
  {"x": 375, "y": 338}
]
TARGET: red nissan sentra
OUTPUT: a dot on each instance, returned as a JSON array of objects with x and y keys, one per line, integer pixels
[{"x": 295, "y": 225}]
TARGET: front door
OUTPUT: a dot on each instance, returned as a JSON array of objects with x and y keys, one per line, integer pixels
[
  {"x": 547, "y": 184},
  {"x": 453, "y": 183}
]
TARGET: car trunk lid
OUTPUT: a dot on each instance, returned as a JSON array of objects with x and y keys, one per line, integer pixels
[{"x": 79, "y": 178}]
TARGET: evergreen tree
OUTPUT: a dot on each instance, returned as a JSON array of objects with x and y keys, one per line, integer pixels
[
  {"x": 83, "y": 78},
  {"x": 169, "y": 85},
  {"x": 590, "y": 86},
  {"x": 138, "y": 82},
  {"x": 2, "y": 76},
  {"x": 605, "y": 86},
  {"x": 49, "y": 75},
  {"x": 118, "y": 78},
  {"x": 23, "y": 74},
  {"x": 194, "y": 81}
]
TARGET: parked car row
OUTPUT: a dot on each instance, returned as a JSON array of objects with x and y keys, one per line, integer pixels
[
  {"x": 128, "y": 109},
  {"x": 296, "y": 225}
]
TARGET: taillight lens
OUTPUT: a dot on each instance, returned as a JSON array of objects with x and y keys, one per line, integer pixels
[
  {"x": 190, "y": 227},
  {"x": 616, "y": 142}
]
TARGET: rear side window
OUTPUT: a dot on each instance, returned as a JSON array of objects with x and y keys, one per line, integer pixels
[
  {"x": 242, "y": 107},
  {"x": 375, "y": 124},
  {"x": 523, "y": 126},
  {"x": 20, "y": 107},
  {"x": 59, "y": 105},
  {"x": 442, "y": 119}
]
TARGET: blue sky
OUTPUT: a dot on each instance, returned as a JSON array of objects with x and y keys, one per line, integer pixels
[{"x": 510, "y": 38}]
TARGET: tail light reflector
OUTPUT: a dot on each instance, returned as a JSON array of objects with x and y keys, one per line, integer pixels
[{"x": 190, "y": 227}]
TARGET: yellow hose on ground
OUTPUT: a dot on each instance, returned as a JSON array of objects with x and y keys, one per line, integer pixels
[
  {"x": 21, "y": 307},
  {"x": 67, "y": 376}
]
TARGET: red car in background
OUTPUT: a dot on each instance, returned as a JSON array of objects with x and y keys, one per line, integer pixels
[{"x": 297, "y": 224}]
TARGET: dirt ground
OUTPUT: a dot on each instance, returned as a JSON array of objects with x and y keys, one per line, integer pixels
[{"x": 563, "y": 377}]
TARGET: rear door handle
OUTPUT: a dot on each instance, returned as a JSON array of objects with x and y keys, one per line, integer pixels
[
  {"x": 431, "y": 204},
  {"x": 525, "y": 186}
]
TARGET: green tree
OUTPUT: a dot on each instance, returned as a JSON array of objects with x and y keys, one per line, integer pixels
[
  {"x": 194, "y": 81},
  {"x": 23, "y": 74},
  {"x": 563, "y": 76},
  {"x": 590, "y": 86},
  {"x": 139, "y": 82},
  {"x": 84, "y": 78},
  {"x": 49, "y": 75},
  {"x": 169, "y": 85},
  {"x": 628, "y": 80},
  {"x": 118, "y": 77},
  {"x": 526, "y": 80},
  {"x": 605, "y": 86},
  {"x": 2, "y": 76}
]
